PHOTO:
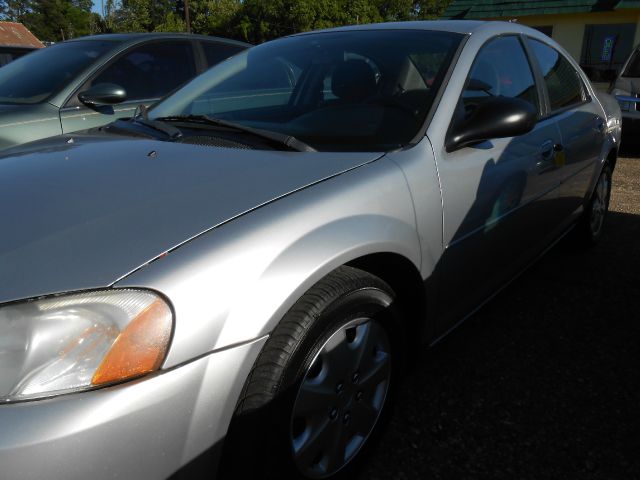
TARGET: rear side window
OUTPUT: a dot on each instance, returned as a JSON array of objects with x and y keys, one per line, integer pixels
[
  {"x": 561, "y": 79},
  {"x": 152, "y": 70},
  {"x": 500, "y": 69},
  {"x": 216, "y": 52}
]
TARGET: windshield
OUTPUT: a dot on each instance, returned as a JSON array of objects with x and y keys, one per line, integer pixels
[
  {"x": 39, "y": 75},
  {"x": 633, "y": 68},
  {"x": 362, "y": 90}
]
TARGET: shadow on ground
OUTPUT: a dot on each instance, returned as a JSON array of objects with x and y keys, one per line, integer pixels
[{"x": 542, "y": 383}]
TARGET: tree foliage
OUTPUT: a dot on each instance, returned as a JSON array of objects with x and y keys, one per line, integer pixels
[{"x": 249, "y": 20}]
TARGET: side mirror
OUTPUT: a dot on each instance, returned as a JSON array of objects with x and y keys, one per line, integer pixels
[
  {"x": 103, "y": 94},
  {"x": 496, "y": 117}
]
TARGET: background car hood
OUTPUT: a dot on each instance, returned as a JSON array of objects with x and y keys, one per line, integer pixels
[{"x": 82, "y": 211}]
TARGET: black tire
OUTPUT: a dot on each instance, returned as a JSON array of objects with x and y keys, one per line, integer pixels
[
  {"x": 259, "y": 444},
  {"x": 588, "y": 230}
]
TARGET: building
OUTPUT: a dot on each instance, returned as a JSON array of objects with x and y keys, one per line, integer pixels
[
  {"x": 600, "y": 34},
  {"x": 15, "y": 41}
]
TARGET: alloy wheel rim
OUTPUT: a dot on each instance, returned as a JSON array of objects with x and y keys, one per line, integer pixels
[
  {"x": 340, "y": 398},
  {"x": 599, "y": 204}
]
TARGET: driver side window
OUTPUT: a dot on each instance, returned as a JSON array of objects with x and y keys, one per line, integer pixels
[
  {"x": 501, "y": 68},
  {"x": 152, "y": 70}
]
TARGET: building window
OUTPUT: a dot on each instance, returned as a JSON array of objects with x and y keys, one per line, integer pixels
[
  {"x": 546, "y": 29},
  {"x": 605, "y": 49}
]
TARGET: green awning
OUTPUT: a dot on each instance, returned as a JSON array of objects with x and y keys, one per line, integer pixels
[{"x": 474, "y": 9}]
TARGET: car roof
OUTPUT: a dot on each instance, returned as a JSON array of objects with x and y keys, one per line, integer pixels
[
  {"x": 455, "y": 26},
  {"x": 143, "y": 37}
]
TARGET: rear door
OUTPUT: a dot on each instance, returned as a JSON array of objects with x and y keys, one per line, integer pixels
[
  {"x": 147, "y": 72},
  {"x": 581, "y": 122},
  {"x": 498, "y": 196}
]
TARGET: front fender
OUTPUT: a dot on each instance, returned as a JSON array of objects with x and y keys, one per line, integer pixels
[{"x": 234, "y": 283}]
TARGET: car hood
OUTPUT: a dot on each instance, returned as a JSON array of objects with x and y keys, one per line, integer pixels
[{"x": 83, "y": 211}]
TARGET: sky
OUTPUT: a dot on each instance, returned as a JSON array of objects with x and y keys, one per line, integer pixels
[{"x": 97, "y": 6}]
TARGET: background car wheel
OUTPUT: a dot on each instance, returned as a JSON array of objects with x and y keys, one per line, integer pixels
[
  {"x": 320, "y": 390},
  {"x": 590, "y": 226}
]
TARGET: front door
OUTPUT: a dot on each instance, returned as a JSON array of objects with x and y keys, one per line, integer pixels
[
  {"x": 147, "y": 72},
  {"x": 497, "y": 195}
]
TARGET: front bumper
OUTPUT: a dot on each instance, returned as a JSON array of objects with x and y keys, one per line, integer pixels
[{"x": 146, "y": 429}]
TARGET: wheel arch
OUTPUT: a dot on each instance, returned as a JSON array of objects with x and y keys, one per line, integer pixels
[{"x": 405, "y": 280}]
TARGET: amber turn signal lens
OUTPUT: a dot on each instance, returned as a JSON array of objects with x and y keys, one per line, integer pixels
[{"x": 140, "y": 348}]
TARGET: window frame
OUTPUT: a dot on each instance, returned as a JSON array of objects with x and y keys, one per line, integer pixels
[
  {"x": 72, "y": 101},
  {"x": 548, "y": 111}
]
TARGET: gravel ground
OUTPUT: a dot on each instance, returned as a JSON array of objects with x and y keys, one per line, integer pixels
[{"x": 544, "y": 381}]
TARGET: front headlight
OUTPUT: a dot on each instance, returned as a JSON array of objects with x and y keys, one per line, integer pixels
[
  {"x": 78, "y": 341},
  {"x": 613, "y": 123}
]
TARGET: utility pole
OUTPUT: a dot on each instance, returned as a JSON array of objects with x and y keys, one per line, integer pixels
[{"x": 186, "y": 15}]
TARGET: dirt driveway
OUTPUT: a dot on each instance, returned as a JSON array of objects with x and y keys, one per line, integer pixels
[{"x": 543, "y": 382}]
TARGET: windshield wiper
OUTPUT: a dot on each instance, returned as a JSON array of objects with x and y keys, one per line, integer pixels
[
  {"x": 141, "y": 116},
  {"x": 281, "y": 138}
]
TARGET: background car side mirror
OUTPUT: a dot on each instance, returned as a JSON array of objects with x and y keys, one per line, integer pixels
[
  {"x": 495, "y": 117},
  {"x": 103, "y": 94}
]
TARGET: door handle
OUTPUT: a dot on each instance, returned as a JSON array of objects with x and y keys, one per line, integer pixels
[
  {"x": 548, "y": 154},
  {"x": 549, "y": 149}
]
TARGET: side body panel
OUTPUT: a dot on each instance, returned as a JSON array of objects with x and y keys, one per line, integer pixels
[
  {"x": 583, "y": 132},
  {"x": 144, "y": 429},
  {"x": 24, "y": 124},
  {"x": 78, "y": 117},
  {"x": 236, "y": 282},
  {"x": 499, "y": 202}
]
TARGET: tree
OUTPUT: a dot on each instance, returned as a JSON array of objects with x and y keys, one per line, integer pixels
[
  {"x": 260, "y": 20},
  {"x": 214, "y": 17},
  {"x": 55, "y": 20},
  {"x": 131, "y": 16},
  {"x": 172, "y": 23},
  {"x": 14, "y": 10}
]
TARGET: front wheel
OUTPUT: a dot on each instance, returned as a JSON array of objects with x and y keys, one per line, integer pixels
[{"x": 320, "y": 390}]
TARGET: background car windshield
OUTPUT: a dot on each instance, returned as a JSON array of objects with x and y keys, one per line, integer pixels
[
  {"x": 37, "y": 76},
  {"x": 353, "y": 90}
]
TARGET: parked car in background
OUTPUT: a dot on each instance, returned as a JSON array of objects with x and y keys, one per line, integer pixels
[
  {"x": 240, "y": 272},
  {"x": 94, "y": 80},
  {"x": 626, "y": 88}
]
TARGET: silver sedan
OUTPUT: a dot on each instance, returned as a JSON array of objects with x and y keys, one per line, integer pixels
[{"x": 232, "y": 281}]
